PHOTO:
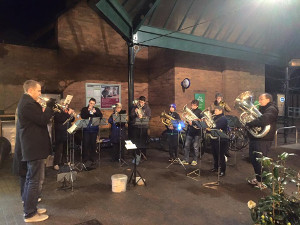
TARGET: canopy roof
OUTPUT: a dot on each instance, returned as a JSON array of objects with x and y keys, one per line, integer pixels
[{"x": 265, "y": 31}]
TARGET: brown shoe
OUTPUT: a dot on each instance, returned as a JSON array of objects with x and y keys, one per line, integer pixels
[
  {"x": 41, "y": 210},
  {"x": 36, "y": 218}
]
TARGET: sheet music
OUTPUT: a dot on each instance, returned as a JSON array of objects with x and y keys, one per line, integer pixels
[
  {"x": 68, "y": 99},
  {"x": 129, "y": 144}
]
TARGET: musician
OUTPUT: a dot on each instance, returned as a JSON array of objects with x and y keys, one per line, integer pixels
[
  {"x": 269, "y": 116},
  {"x": 173, "y": 134},
  {"x": 192, "y": 136},
  {"x": 35, "y": 146},
  {"x": 61, "y": 134},
  {"x": 221, "y": 124},
  {"x": 139, "y": 132},
  {"x": 90, "y": 132},
  {"x": 219, "y": 101},
  {"x": 115, "y": 137}
]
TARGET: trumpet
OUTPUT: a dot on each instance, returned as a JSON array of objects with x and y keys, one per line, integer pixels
[{"x": 57, "y": 107}]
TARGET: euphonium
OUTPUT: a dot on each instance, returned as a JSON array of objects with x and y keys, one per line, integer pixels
[
  {"x": 249, "y": 113},
  {"x": 139, "y": 107},
  {"x": 188, "y": 115},
  {"x": 208, "y": 118},
  {"x": 166, "y": 119}
]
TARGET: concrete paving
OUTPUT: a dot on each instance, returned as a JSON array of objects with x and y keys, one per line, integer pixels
[{"x": 170, "y": 197}]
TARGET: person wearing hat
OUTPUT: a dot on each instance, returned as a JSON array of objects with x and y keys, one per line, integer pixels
[
  {"x": 219, "y": 101},
  {"x": 172, "y": 134}
]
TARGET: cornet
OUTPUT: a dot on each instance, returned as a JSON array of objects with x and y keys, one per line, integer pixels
[{"x": 57, "y": 107}]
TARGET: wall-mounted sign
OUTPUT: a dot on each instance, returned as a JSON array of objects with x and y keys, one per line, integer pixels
[
  {"x": 280, "y": 104},
  {"x": 201, "y": 99},
  {"x": 106, "y": 95},
  {"x": 282, "y": 99}
]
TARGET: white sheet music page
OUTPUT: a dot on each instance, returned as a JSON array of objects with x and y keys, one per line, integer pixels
[{"x": 129, "y": 145}]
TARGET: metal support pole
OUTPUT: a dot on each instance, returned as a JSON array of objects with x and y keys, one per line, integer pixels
[
  {"x": 286, "y": 103},
  {"x": 131, "y": 54}
]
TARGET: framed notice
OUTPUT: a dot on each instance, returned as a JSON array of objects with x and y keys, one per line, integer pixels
[
  {"x": 201, "y": 99},
  {"x": 106, "y": 95}
]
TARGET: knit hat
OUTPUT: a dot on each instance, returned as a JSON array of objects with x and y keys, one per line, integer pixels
[{"x": 173, "y": 106}]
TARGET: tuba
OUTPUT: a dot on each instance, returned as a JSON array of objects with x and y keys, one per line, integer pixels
[
  {"x": 208, "y": 118},
  {"x": 188, "y": 115},
  {"x": 249, "y": 113},
  {"x": 166, "y": 119}
]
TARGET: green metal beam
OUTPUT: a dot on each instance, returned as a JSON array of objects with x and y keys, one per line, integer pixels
[
  {"x": 144, "y": 12},
  {"x": 150, "y": 36},
  {"x": 116, "y": 15}
]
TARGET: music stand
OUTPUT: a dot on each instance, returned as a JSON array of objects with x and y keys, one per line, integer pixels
[
  {"x": 133, "y": 176},
  {"x": 98, "y": 121},
  {"x": 218, "y": 134},
  {"x": 142, "y": 123},
  {"x": 122, "y": 120},
  {"x": 197, "y": 172},
  {"x": 79, "y": 124}
]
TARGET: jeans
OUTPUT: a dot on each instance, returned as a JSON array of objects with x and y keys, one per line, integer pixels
[
  {"x": 258, "y": 146},
  {"x": 196, "y": 144},
  {"x": 34, "y": 180}
]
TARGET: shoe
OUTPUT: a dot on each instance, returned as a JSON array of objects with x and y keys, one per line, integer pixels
[
  {"x": 39, "y": 199},
  {"x": 171, "y": 159},
  {"x": 184, "y": 162},
  {"x": 41, "y": 210},
  {"x": 261, "y": 185},
  {"x": 226, "y": 159},
  {"x": 213, "y": 170},
  {"x": 36, "y": 218},
  {"x": 194, "y": 163},
  {"x": 221, "y": 174},
  {"x": 56, "y": 167},
  {"x": 253, "y": 182}
]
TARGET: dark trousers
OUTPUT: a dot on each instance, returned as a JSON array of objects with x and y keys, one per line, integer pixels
[
  {"x": 173, "y": 144},
  {"x": 89, "y": 146},
  {"x": 258, "y": 146},
  {"x": 139, "y": 138},
  {"x": 115, "y": 154},
  {"x": 60, "y": 148},
  {"x": 216, "y": 151},
  {"x": 32, "y": 187}
]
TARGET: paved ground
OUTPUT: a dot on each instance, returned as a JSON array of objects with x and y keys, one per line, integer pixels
[{"x": 169, "y": 197}]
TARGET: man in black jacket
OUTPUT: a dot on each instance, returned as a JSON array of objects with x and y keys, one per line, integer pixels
[
  {"x": 35, "y": 146},
  {"x": 90, "y": 132},
  {"x": 269, "y": 116},
  {"x": 192, "y": 136}
]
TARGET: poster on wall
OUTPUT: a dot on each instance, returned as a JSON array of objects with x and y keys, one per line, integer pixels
[
  {"x": 201, "y": 99},
  {"x": 106, "y": 95}
]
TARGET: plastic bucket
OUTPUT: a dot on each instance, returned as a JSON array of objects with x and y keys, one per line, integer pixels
[{"x": 118, "y": 183}]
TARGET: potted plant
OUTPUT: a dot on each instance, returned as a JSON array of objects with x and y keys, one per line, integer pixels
[{"x": 278, "y": 207}]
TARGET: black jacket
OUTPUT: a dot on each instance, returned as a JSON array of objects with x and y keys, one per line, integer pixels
[
  {"x": 32, "y": 129},
  {"x": 60, "y": 129},
  {"x": 147, "y": 113},
  {"x": 115, "y": 129},
  {"x": 269, "y": 117},
  {"x": 176, "y": 116},
  {"x": 85, "y": 114}
]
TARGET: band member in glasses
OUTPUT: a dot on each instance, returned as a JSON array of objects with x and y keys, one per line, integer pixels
[
  {"x": 172, "y": 133},
  {"x": 140, "y": 132},
  {"x": 61, "y": 134},
  {"x": 90, "y": 132},
  {"x": 117, "y": 135},
  {"x": 193, "y": 137}
]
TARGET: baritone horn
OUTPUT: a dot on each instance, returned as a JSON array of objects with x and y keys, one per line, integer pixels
[
  {"x": 188, "y": 115},
  {"x": 249, "y": 113},
  {"x": 166, "y": 119}
]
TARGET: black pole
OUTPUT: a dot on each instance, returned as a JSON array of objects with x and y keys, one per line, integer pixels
[
  {"x": 286, "y": 102},
  {"x": 130, "y": 75}
]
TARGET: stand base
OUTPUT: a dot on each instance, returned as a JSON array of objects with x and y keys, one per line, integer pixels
[
  {"x": 80, "y": 167},
  {"x": 122, "y": 162},
  {"x": 194, "y": 174},
  {"x": 133, "y": 177},
  {"x": 175, "y": 161}
]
